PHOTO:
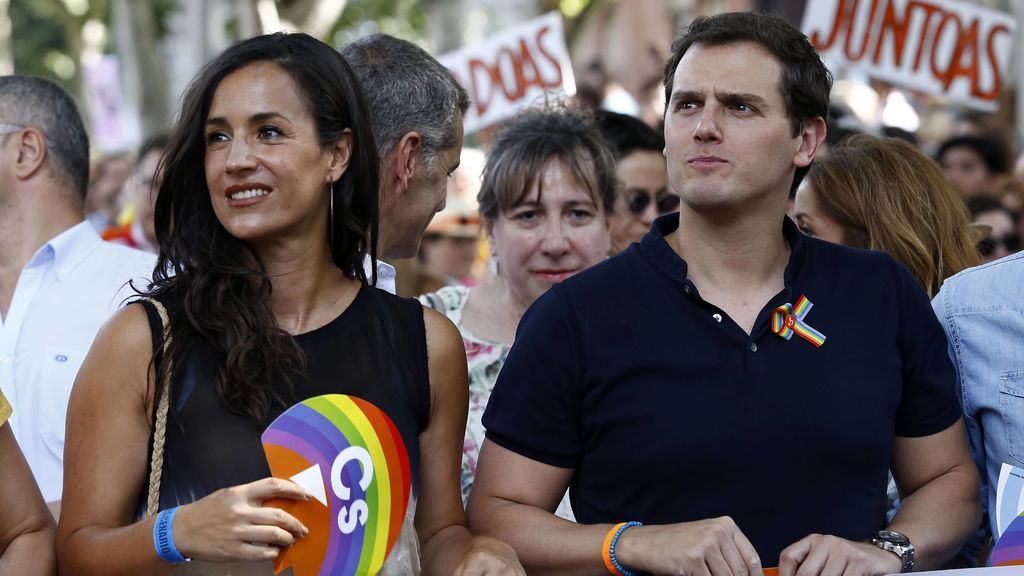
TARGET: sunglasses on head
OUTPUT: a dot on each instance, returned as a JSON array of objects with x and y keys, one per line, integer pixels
[
  {"x": 666, "y": 202},
  {"x": 1011, "y": 241}
]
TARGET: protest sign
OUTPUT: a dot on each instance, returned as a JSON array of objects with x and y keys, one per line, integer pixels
[
  {"x": 515, "y": 69},
  {"x": 349, "y": 456},
  {"x": 934, "y": 46}
]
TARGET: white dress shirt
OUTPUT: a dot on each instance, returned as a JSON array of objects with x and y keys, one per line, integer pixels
[
  {"x": 69, "y": 288},
  {"x": 385, "y": 274}
]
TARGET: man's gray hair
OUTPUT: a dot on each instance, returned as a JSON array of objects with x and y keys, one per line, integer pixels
[
  {"x": 30, "y": 101},
  {"x": 406, "y": 90}
]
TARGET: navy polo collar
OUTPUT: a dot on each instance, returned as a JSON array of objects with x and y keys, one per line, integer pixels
[{"x": 655, "y": 247}]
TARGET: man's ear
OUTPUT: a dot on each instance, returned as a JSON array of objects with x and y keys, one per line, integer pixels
[
  {"x": 341, "y": 155},
  {"x": 811, "y": 137},
  {"x": 408, "y": 152},
  {"x": 31, "y": 146}
]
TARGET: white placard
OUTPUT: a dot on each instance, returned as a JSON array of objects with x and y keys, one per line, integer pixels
[
  {"x": 512, "y": 70},
  {"x": 114, "y": 128},
  {"x": 934, "y": 46}
]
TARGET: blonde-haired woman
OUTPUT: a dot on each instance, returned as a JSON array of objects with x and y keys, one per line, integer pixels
[{"x": 885, "y": 194}]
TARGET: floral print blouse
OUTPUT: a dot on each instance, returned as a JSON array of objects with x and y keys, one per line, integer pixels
[{"x": 485, "y": 359}]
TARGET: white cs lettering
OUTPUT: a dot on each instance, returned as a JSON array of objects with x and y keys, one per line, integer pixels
[{"x": 357, "y": 514}]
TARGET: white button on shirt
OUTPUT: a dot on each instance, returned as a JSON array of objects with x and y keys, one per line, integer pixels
[{"x": 69, "y": 288}]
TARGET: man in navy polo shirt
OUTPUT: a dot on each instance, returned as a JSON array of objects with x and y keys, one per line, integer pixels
[{"x": 740, "y": 390}]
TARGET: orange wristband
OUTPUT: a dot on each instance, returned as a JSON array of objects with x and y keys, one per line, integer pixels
[{"x": 606, "y": 550}]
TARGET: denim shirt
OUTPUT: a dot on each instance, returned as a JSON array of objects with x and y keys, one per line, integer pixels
[{"x": 982, "y": 311}]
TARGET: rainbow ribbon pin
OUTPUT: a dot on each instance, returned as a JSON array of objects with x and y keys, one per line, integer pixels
[{"x": 787, "y": 319}]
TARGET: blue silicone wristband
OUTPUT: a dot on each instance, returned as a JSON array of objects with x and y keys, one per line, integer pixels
[
  {"x": 615, "y": 540},
  {"x": 163, "y": 537}
]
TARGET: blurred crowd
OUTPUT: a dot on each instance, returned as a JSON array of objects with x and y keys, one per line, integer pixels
[
  {"x": 981, "y": 162},
  {"x": 540, "y": 316}
]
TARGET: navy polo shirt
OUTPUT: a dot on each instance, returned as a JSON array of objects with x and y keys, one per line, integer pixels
[{"x": 669, "y": 412}]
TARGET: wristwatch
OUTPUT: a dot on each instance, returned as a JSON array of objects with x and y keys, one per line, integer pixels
[{"x": 898, "y": 544}]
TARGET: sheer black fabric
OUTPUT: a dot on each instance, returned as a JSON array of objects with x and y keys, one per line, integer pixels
[{"x": 375, "y": 350}]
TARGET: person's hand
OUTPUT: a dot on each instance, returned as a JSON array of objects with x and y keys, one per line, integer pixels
[
  {"x": 715, "y": 547},
  {"x": 490, "y": 557},
  {"x": 819, "y": 554},
  {"x": 233, "y": 525}
]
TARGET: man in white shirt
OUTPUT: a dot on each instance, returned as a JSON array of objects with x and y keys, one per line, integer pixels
[
  {"x": 416, "y": 109},
  {"x": 58, "y": 280}
]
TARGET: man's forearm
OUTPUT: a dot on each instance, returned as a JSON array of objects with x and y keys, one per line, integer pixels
[
  {"x": 545, "y": 543},
  {"x": 940, "y": 516},
  {"x": 31, "y": 553},
  {"x": 445, "y": 550}
]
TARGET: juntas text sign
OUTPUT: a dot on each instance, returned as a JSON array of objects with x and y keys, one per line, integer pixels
[
  {"x": 934, "y": 46},
  {"x": 515, "y": 69}
]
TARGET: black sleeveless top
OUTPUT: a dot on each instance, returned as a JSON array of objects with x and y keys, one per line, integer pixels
[{"x": 375, "y": 350}]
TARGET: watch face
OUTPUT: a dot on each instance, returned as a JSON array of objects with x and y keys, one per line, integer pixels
[{"x": 894, "y": 537}]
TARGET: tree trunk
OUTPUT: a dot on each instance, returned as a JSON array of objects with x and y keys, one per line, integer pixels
[
  {"x": 445, "y": 21},
  {"x": 248, "y": 17},
  {"x": 314, "y": 17},
  {"x": 73, "y": 33},
  {"x": 143, "y": 69},
  {"x": 6, "y": 53}
]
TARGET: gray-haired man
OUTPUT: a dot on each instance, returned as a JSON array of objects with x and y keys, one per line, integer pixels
[
  {"x": 59, "y": 282},
  {"x": 416, "y": 109}
]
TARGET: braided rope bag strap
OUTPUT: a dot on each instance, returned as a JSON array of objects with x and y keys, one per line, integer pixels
[{"x": 156, "y": 464}]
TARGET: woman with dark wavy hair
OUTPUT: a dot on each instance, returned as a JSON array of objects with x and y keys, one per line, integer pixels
[{"x": 267, "y": 209}]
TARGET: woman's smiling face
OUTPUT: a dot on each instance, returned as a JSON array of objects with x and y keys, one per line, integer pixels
[{"x": 267, "y": 173}]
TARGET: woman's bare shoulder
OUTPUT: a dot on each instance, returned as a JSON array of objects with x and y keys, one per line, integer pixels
[{"x": 121, "y": 354}]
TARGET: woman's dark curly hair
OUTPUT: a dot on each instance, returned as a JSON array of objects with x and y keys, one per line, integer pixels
[{"x": 219, "y": 285}]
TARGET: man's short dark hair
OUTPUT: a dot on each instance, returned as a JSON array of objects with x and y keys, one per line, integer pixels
[
  {"x": 805, "y": 82},
  {"x": 41, "y": 104},
  {"x": 990, "y": 150},
  {"x": 406, "y": 90},
  {"x": 627, "y": 134}
]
